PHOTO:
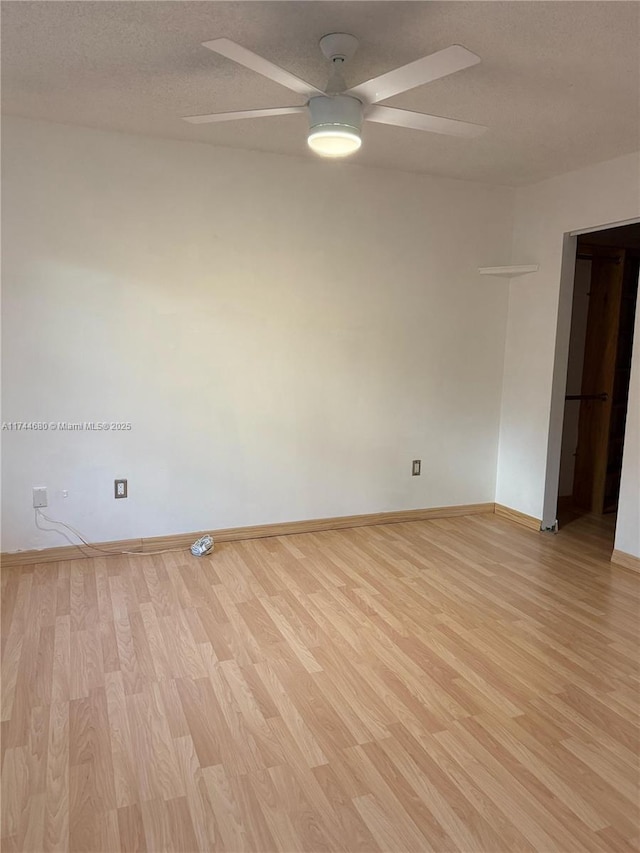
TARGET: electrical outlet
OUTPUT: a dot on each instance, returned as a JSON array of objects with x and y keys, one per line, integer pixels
[
  {"x": 120, "y": 488},
  {"x": 39, "y": 496},
  {"x": 415, "y": 467}
]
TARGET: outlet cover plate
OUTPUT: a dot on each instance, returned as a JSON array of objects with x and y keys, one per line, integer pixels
[
  {"x": 39, "y": 496},
  {"x": 119, "y": 489}
]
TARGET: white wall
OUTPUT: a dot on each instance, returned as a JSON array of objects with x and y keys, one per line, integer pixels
[
  {"x": 628, "y": 522},
  {"x": 606, "y": 193},
  {"x": 285, "y": 335}
]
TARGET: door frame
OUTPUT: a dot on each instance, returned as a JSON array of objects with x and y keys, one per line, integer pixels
[{"x": 560, "y": 364}]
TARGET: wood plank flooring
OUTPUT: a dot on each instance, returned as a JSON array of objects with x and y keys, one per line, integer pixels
[{"x": 453, "y": 685}]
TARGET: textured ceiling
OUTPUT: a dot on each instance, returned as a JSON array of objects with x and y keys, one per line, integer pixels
[{"x": 558, "y": 85}]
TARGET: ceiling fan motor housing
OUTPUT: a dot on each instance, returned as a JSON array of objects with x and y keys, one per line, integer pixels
[{"x": 336, "y": 111}]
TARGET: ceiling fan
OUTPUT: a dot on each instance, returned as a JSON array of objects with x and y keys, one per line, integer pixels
[{"x": 336, "y": 114}]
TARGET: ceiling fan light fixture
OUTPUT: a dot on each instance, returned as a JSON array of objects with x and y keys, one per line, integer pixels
[
  {"x": 334, "y": 140},
  {"x": 334, "y": 125}
]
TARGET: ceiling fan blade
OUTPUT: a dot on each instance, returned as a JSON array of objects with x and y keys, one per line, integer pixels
[
  {"x": 238, "y": 114},
  {"x": 239, "y": 54},
  {"x": 422, "y": 121},
  {"x": 424, "y": 70}
]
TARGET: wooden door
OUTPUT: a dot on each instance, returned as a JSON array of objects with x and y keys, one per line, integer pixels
[{"x": 598, "y": 377}]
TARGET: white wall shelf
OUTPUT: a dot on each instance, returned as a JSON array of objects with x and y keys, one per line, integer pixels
[{"x": 509, "y": 272}]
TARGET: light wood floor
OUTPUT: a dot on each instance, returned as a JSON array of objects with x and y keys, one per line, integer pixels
[{"x": 452, "y": 685}]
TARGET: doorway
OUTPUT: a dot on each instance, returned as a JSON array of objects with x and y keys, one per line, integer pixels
[{"x": 605, "y": 291}]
